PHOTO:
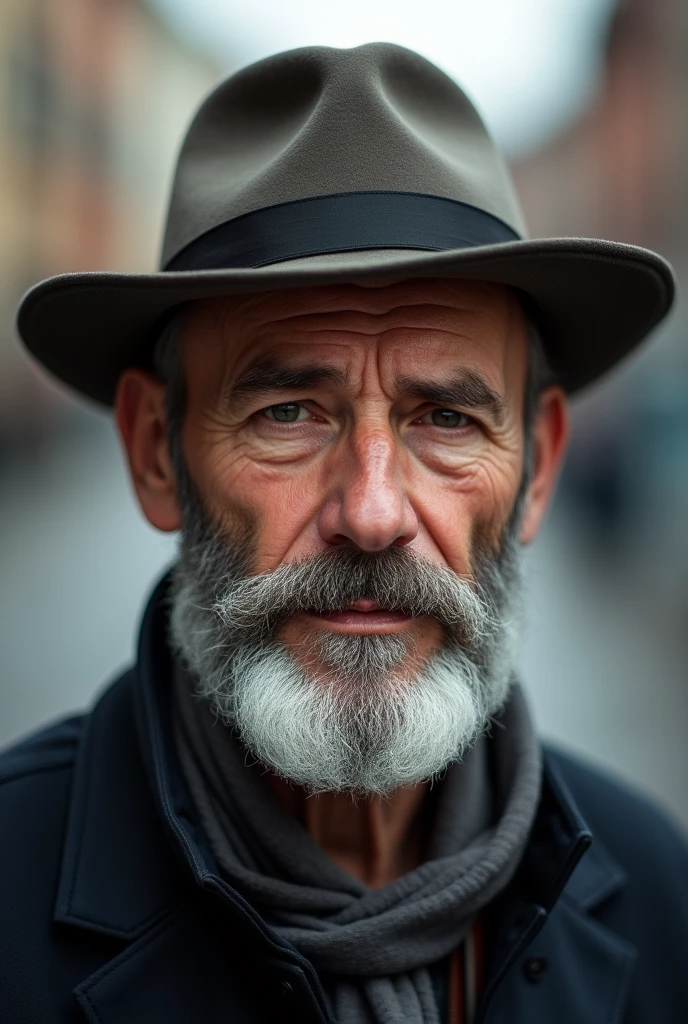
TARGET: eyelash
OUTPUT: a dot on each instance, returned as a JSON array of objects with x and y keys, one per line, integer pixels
[{"x": 468, "y": 420}]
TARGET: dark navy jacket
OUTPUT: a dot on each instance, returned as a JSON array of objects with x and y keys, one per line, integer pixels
[{"x": 112, "y": 910}]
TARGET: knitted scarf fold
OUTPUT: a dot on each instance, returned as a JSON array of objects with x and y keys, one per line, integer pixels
[{"x": 371, "y": 947}]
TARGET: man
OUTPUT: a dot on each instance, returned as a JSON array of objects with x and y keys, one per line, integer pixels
[{"x": 319, "y": 796}]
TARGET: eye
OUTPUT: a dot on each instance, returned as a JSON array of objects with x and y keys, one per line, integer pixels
[
  {"x": 448, "y": 418},
  {"x": 287, "y": 412}
]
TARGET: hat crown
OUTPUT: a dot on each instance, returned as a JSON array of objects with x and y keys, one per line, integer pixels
[{"x": 320, "y": 121}]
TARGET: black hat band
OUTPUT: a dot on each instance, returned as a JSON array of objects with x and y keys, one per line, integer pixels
[{"x": 342, "y": 223}]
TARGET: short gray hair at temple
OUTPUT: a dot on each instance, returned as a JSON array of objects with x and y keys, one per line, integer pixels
[{"x": 167, "y": 366}]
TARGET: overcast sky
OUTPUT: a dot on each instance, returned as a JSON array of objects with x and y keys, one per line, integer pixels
[{"x": 529, "y": 64}]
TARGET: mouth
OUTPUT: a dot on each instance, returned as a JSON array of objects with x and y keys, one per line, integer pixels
[{"x": 363, "y": 616}]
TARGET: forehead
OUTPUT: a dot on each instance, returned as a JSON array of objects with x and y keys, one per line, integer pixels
[{"x": 427, "y": 320}]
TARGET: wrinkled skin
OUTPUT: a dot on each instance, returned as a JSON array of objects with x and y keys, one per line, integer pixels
[{"x": 364, "y": 463}]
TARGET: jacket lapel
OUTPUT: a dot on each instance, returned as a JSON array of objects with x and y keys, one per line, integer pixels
[
  {"x": 564, "y": 965},
  {"x": 118, "y": 873},
  {"x": 176, "y": 971},
  {"x": 576, "y": 969}
]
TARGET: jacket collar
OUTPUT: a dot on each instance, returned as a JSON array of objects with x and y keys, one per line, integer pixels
[
  {"x": 133, "y": 854},
  {"x": 132, "y": 847},
  {"x": 562, "y": 857},
  {"x": 118, "y": 871},
  {"x": 546, "y": 917}
]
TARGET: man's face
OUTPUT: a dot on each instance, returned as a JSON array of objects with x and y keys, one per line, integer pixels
[
  {"x": 352, "y": 458},
  {"x": 365, "y": 417}
]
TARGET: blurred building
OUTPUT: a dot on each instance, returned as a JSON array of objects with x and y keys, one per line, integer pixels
[
  {"x": 608, "y": 652},
  {"x": 619, "y": 172},
  {"x": 94, "y": 98}
]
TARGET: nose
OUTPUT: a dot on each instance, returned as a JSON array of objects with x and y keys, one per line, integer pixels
[{"x": 368, "y": 505}]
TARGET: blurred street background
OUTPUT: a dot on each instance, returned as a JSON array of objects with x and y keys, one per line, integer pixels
[{"x": 590, "y": 99}]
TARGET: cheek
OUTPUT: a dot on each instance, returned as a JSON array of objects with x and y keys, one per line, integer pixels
[
  {"x": 456, "y": 512},
  {"x": 282, "y": 501}
]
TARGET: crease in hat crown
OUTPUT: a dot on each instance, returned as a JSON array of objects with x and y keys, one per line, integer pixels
[{"x": 320, "y": 121}]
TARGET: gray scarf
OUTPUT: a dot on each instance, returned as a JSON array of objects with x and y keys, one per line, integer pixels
[{"x": 371, "y": 947}]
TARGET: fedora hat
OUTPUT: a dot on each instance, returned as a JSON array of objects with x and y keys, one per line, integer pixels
[{"x": 322, "y": 165}]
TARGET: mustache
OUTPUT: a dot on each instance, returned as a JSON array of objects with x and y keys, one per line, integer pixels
[{"x": 396, "y": 579}]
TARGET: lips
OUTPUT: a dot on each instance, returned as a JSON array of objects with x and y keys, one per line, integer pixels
[{"x": 364, "y": 616}]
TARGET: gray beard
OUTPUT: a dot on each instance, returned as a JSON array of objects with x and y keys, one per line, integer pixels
[{"x": 364, "y": 723}]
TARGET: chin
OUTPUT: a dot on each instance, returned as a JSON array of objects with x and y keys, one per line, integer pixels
[{"x": 359, "y": 734}]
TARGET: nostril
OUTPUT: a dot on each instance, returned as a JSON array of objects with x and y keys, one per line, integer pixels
[{"x": 371, "y": 523}]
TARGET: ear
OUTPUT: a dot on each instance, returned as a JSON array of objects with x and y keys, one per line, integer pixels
[
  {"x": 141, "y": 418},
  {"x": 550, "y": 435}
]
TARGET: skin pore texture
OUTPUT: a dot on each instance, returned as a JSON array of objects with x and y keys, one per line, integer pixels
[{"x": 370, "y": 417}]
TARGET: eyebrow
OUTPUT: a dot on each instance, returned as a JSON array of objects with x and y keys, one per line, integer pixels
[
  {"x": 467, "y": 389},
  {"x": 267, "y": 376}
]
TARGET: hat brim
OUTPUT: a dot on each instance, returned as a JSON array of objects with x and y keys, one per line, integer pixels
[{"x": 596, "y": 300}]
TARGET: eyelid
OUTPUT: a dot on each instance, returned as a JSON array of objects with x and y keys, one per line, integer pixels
[
  {"x": 435, "y": 408},
  {"x": 302, "y": 407}
]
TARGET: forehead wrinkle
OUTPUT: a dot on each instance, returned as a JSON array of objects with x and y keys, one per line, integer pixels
[
  {"x": 242, "y": 319},
  {"x": 429, "y": 316},
  {"x": 451, "y": 293},
  {"x": 263, "y": 309},
  {"x": 265, "y": 372}
]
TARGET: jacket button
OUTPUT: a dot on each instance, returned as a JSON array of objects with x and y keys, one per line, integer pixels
[
  {"x": 534, "y": 969},
  {"x": 286, "y": 987}
]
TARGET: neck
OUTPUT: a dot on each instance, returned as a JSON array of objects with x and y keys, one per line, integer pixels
[{"x": 375, "y": 839}]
